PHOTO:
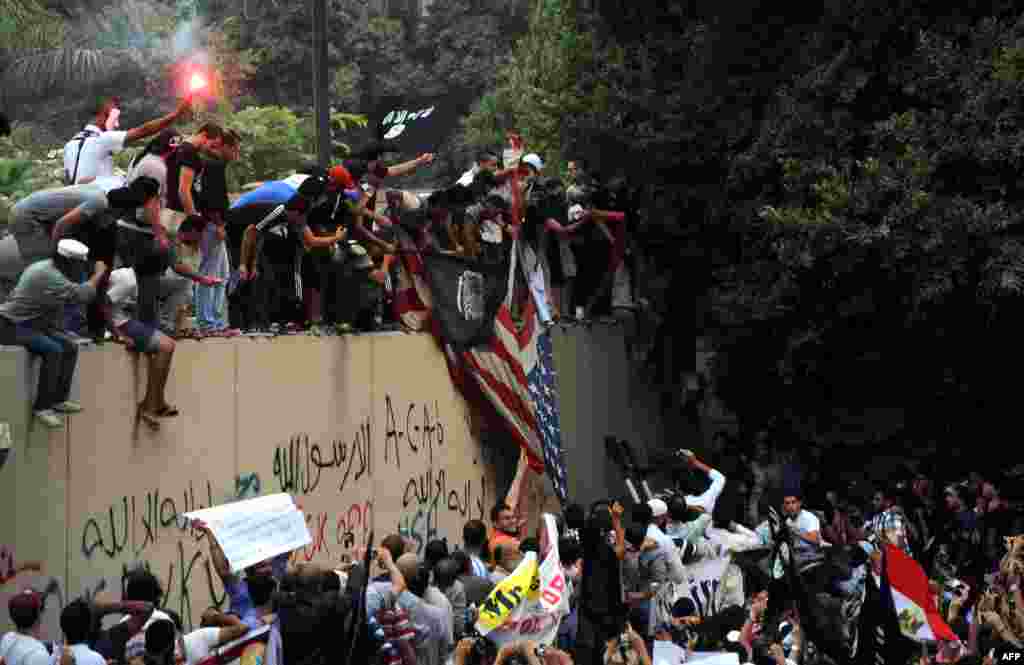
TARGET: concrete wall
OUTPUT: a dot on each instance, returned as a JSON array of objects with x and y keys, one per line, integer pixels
[{"x": 367, "y": 432}]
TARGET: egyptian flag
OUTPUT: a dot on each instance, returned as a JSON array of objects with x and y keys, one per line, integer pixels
[
  {"x": 919, "y": 618},
  {"x": 878, "y": 639}
]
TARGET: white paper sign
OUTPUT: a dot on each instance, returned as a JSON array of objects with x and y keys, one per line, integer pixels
[
  {"x": 668, "y": 653},
  {"x": 255, "y": 530}
]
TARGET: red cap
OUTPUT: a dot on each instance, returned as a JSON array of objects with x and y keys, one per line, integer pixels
[
  {"x": 26, "y": 604},
  {"x": 341, "y": 178}
]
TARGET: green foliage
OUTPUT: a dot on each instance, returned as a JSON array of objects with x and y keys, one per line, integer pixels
[{"x": 13, "y": 173}]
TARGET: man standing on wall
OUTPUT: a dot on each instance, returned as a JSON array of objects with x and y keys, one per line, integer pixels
[
  {"x": 89, "y": 156},
  {"x": 507, "y": 523}
]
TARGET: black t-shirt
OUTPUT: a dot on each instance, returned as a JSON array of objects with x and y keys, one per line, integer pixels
[
  {"x": 185, "y": 155},
  {"x": 601, "y": 585},
  {"x": 212, "y": 187}
]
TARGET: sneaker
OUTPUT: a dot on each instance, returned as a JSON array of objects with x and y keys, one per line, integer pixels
[
  {"x": 69, "y": 406},
  {"x": 50, "y": 418}
]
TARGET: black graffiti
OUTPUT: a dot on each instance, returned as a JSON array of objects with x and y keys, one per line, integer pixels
[
  {"x": 361, "y": 447},
  {"x": 392, "y": 436},
  {"x": 299, "y": 466},
  {"x": 118, "y": 530},
  {"x": 429, "y": 432},
  {"x": 423, "y": 429}
]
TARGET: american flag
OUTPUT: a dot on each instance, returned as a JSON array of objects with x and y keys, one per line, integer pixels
[
  {"x": 544, "y": 392},
  {"x": 501, "y": 369}
]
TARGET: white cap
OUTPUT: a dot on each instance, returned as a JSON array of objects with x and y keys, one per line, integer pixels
[
  {"x": 534, "y": 160},
  {"x": 658, "y": 507},
  {"x": 576, "y": 212},
  {"x": 73, "y": 249}
]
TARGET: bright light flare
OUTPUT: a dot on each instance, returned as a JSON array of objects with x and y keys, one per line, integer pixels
[{"x": 197, "y": 82}]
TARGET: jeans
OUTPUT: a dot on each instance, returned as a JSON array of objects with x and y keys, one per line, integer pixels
[
  {"x": 209, "y": 304},
  {"x": 59, "y": 356}
]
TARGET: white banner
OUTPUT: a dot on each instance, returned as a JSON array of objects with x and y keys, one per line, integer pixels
[
  {"x": 703, "y": 586},
  {"x": 544, "y": 599},
  {"x": 255, "y": 530}
]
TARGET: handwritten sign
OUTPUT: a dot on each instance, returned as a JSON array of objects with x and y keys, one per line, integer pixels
[{"x": 255, "y": 530}]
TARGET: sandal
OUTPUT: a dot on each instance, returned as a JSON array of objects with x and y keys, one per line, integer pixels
[
  {"x": 166, "y": 411},
  {"x": 147, "y": 419}
]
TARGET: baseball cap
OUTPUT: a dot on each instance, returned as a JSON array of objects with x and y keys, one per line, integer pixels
[
  {"x": 658, "y": 507},
  {"x": 340, "y": 177},
  {"x": 25, "y": 608},
  {"x": 73, "y": 249},
  {"x": 534, "y": 160}
]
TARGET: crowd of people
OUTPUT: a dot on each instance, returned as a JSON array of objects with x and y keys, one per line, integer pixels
[
  {"x": 319, "y": 249},
  {"x": 783, "y": 597}
]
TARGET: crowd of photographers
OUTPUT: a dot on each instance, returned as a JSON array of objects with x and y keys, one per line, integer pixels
[
  {"x": 420, "y": 604},
  {"x": 130, "y": 257}
]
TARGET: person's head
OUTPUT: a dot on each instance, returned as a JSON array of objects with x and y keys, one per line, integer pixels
[
  {"x": 575, "y": 516},
  {"x": 434, "y": 552},
  {"x": 503, "y": 518},
  {"x": 409, "y": 565},
  {"x": 569, "y": 550},
  {"x": 190, "y": 231},
  {"x": 25, "y": 609},
  {"x": 462, "y": 560},
  {"x": 531, "y": 166},
  {"x": 446, "y": 572},
  {"x": 658, "y": 512},
  {"x": 636, "y": 534},
  {"x": 76, "y": 622},
  {"x": 395, "y": 544},
  {"x": 574, "y": 167},
  {"x": 161, "y": 640},
  {"x": 140, "y": 585},
  {"x": 792, "y": 504},
  {"x": 209, "y": 138},
  {"x": 103, "y": 108},
  {"x": 487, "y": 161},
  {"x": 885, "y": 498},
  {"x": 137, "y": 194},
  {"x": 70, "y": 257},
  {"x": 678, "y": 511},
  {"x": 231, "y": 147},
  {"x": 484, "y": 652},
  {"x": 474, "y": 536},
  {"x": 262, "y": 586}
]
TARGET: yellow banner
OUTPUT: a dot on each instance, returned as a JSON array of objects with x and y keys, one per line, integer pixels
[{"x": 522, "y": 585}]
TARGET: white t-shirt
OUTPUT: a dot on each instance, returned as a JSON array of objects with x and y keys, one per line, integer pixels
[
  {"x": 806, "y": 522},
  {"x": 200, "y": 643},
  {"x": 18, "y": 649},
  {"x": 122, "y": 292},
  {"x": 84, "y": 655},
  {"x": 709, "y": 498},
  {"x": 95, "y": 156}
]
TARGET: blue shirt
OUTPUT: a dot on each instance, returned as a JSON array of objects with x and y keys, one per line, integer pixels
[
  {"x": 276, "y": 192},
  {"x": 238, "y": 591}
]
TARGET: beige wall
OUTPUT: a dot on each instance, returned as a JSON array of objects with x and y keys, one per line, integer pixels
[{"x": 366, "y": 431}]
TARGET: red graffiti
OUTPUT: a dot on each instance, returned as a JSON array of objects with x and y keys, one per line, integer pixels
[
  {"x": 354, "y": 526},
  {"x": 319, "y": 539}
]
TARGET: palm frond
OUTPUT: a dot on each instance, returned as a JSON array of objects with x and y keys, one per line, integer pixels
[{"x": 39, "y": 72}]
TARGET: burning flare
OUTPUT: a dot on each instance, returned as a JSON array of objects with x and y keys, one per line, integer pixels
[{"x": 197, "y": 82}]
